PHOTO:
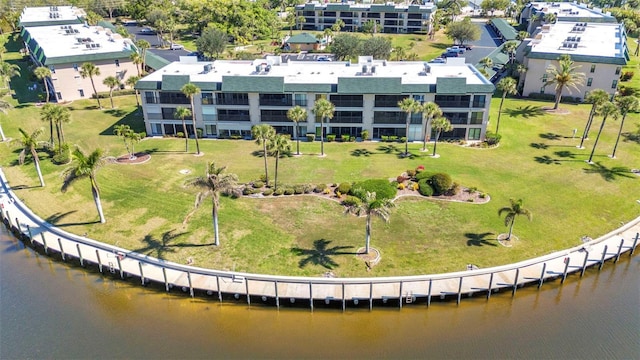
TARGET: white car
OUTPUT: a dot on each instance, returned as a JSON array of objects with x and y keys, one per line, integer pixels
[{"x": 175, "y": 46}]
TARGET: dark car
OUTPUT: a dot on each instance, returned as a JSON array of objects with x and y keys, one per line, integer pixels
[{"x": 448, "y": 54}]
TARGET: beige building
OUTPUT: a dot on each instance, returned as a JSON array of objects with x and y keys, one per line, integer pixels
[
  {"x": 64, "y": 48},
  {"x": 598, "y": 49}
]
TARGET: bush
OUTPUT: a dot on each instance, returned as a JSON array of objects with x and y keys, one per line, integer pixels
[
  {"x": 258, "y": 184},
  {"x": 199, "y": 132},
  {"x": 62, "y": 154},
  {"x": 247, "y": 191},
  {"x": 365, "y": 135},
  {"x": 307, "y": 188},
  {"x": 440, "y": 183},
  {"x": 311, "y": 137},
  {"x": 289, "y": 191},
  {"x": 267, "y": 192},
  {"x": 278, "y": 192},
  {"x": 424, "y": 175},
  {"x": 454, "y": 190},
  {"x": 384, "y": 138},
  {"x": 424, "y": 188},
  {"x": 626, "y": 76},
  {"x": 492, "y": 139},
  {"x": 400, "y": 186},
  {"x": 401, "y": 179},
  {"x": 411, "y": 173},
  {"x": 420, "y": 168},
  {"x": 382, "y": 187},
  {"x": 345, "y": 137},
  {"x": 331, "y": 137},
  {"x": 393, "y": 138},
  {"x": 298, "y": 189},
  {"x": 402, "y": 139},
  {"x": 415, "y": 186},
  {"x": 180, "y": 134},
  {"x": 320, "y": 188},
  {"x": 351, "y": 201},
  {"x": 344, "y": 188}
]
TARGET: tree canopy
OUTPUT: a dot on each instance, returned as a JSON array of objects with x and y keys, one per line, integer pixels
[
  {"x": 463, "y": 31},
  {"x": 212, "y": 42}
]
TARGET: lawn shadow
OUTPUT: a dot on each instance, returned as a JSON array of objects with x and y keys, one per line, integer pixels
[
  {"x": 609, "y": 174},
  {"x": 159, "y": 247},
  {"x": 632, "y": 137},
  {"x": 55, "y": 218},
  {"x": 565, "y": 154},
  {"x": 116, "y": 112},
  {"x": 133, "y": 119},
  {"x": 24, "y": 187},
  {"x": 158, "y": 151},
  {"x": 321, "y": 254},
  {"x": 361, "y": 152},
  {"x": 542, "y": 146},
  {"x": 525, "y": 112},
  {"x": 547, "y": 160},
  {"x": 551, "y": 136},
  {"x": 258, "y": 153},
  {"x": 410, "y": 155},
  {"x": 479, "y": 239},
  {"x": 389, "y": 149}
]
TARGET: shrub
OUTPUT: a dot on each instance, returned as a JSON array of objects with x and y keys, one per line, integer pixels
[
  {"x": 180, "y": 134},
  {"x": 267, "y": 192},
  {"x": 411, "y": 173},
  {"x": 401, "y": 186},
  {"x": 626, "y": 76},
  {"x": 351, "y": 201},
  {"x": 393, "y": 138},
  {"x": 338, "y": 194},
  {"x": 415, "y": 186},
  {"x": 289, "y": 191},
  {"x": 402, "y": 139},
  {"x": 279, "y": 191},
  {"x": 420, "y": 168},
  {"x": 382, "y": 187},
  {"x": 263, "y": 178},
  {"x": 320, "y": 188},
  {"x": 298, "y": 189},
  {"x": 424, "y": 175},
  {"x": 248, "y": 191},
  {"x": 307, "y": 188},
  {"x": 455, "y": 189},
  {"x": 365, "y": 134},
  {"x": 199, "y": 132},
  {"x": 472, "y": 190},
  {"x": 345, "y": 137},
  {"x": 311, "y": 137},
  {"x": 401, "y": 179},
  {"x": 326, "y": 191},
  {"x": 440, "y": 183},
  {"x": 331, "y": 137},
  {"x": 384, "y": 138},
  {"x": 352, "y": 139},
  {"x": 492, "y": 139},
  {"x": 344, "y": 188},
  {"x": 424, "y": 188},
  {"x": 482, "y": 195},
  {"x": 62, "y": 154},
  {"x": 258, "y": 184},
  {"x": 469, "y": 200}
]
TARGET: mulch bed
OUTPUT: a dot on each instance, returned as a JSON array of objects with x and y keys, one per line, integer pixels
[{"x": 138, "y": 158}]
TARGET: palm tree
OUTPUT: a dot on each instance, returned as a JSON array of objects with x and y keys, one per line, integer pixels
[
  {"x": 85, "y": 166},
  {"x": 58, "y": 115},
  {"x": 4, "y": 106},
  {"x": 510, "y": 48},
  {"x": 263, "y": 133},
  {"x": 508, "y": 87},
  {"x": 550, "y": 18},
  {"x": 596, "y": 98},
  {"x": 29, "y": 144},
  {"x": 297, "y": 114},
  {"x": 7, "y": 71},
  {"x": 370, "y": 206},
  {"x": 112, "y": 82},
  {"x": 131, "y": 82},
  {"x": 43, "y": 73},
  {"x": 123, "y": 131},
  {"x": 429, "y": 111},
  {"x": 516, "y": 209},
  {"x": 440, "y": 124},
  {"x": 408, "y": 105},
  {"x": 214, "y": 183},
  {"x": 522, "y": 35},
  {"x": 625, "y": 104},
  {"x": 137, "y": 60},
  {"x": 607, "y": 109},
  {"x": 278, "y": 145},
  {"x": 323, "y": 109},
  {"x": 182, "y": 113},
  {"x": 143, "y": 45},
  {"x": 521, "y": 69},
  {"x": 89, "y": 70},
  {"x": 190, "y": 90},
  {"x": 486, "y": 63},
  {"x": 566, "y": 75}
]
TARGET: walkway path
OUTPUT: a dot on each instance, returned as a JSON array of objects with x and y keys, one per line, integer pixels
[{"x": 333, "y": 291}]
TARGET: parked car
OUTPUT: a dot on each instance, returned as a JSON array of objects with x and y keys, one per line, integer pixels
[
  {"x": 448, "y": 54},
  {"x": 323, "y": 58},
  {"x": 175, "y": 46},
  {"x": 467, "y": 46},
  {"x": 438, "y": 60},
  {"x": 456, "y": 48},
  {"x": 146, "y": 30}
]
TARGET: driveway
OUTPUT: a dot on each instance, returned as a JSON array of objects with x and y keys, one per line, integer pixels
[
  {"x": 169, "y": 55},
  {"x": 488, "y": 42}
]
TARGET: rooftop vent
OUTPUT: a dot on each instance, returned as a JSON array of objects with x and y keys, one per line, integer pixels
[{"x": 208, "y": 68}]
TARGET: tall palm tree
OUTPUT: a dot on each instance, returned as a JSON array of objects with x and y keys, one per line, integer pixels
[
  {"x": 521, "y": 69},
  {"x": 7, "y": 71},
  {"x": 182, "y": 113},
  {"x": 607, "y": 109},
  {"x": 212, "y": 184},
  {"x": 4, "y": 106},
  {"x": 122, "y": 131},
  {"x": 486, "y": 63},
  {"x": 370, "y": 206},
  {"x": 131, "y": 82},
  {"x": 43, "y": 73},
  {"x": 625, "y": 104},
  {"x": 323, "y": 109},
  {"x": 440, "y": 124},
  {"x": 408, "y": 105},
  {"x": 143, "y": 45},
  {"x": 596, "y": 98},
  {"x": 566, "y": 75},
  {"x": 510, "y": 48},
  {"x": 297, "y": 114},
  {"x": 86, "y": 166},
  {"x": 278, "y": 145},
  {"x": 30, "y": 144},
  {"x": 137, "y": 60},
  {"x": 550, "y": 18},
  {"x": 262, "y": 133},
  {"x": 429, "y": 111},
  {"x": 55, "y": 115},
  {"x": 190, "y": 90},
  {"x": 514, "y": 210},
  {"x": 112, "y": 82},
  {"x": 508, "y": 87},
  {"x": 89, "y": 70}
]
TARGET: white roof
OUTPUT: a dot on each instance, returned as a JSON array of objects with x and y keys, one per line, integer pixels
[
  {"x": 303, "y": 72},
  {"x": 44, "y": 14},
  {"x": 597, "y": 39},
  {"x": 73, "y": 40},
  {"x": 568, "y": 9}
]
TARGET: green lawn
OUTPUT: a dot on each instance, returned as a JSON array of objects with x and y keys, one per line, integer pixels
[{"x": 145, "y": 204}]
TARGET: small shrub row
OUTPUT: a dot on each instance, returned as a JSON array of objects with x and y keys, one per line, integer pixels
[
  {"x": 392, "y": 138},
  {"x": 552, "y": 97}
]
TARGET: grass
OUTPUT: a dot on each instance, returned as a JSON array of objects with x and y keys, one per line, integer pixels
[{"x": 146, "y": 204}]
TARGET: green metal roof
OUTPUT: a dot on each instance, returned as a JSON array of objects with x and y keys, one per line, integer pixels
[
  {"x": 304, "y": 38},
  {"x": 418, "y": 88},
  {"x": 147, "y": 85},
  {"x": 89, "y": 57},
  {"x": 106, "y": 25},
  {"x": 174, "y": 82},
  {"x": 256, "y": 83},
  {"x": 338, "y": 7},
  {"x": 50, "y": 23},
  {"x": 154, "y": 61},
  {"x": 317, "y": 88},
  {"x": 384, "y": 8},
  {"x": 506, "y": 30},
  {"x": 369, "y": 85},
  {"x": 451, "y": 85},
  {"x": 206, "y": 86}
]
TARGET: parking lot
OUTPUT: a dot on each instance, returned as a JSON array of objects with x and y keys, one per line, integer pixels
[
  {"x": 488, "y": 42},
  {"x": 152, "y": 38}
]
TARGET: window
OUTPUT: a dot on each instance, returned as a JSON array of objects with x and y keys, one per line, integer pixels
[
  {"x": 156, "y": 129},
  {"x": 593, "y": 69},
  {"x": 474, "y": 134},
  {"x": 388, "y": 100},
  {"x": 453, "y": 100},
  {"x": 544, "y": 78},
  {"x": 542, "y": 90},
  {"x": 275, "y": 99},
  {"x": 479, "y": 101},
  {"x": 300, "y": 99},
  {"x": 169, "y": 114},
  {"x": 589, "y": 81},
  {"x": 59, "y": 95},
  {"x": 274, "y": 116},
  {"x": 207, "y": 98},
  {"x": 149, "y": 97},
  {"x": 75, "y": 67},
  {"x": 618, "y": 69},
  {"x": 389, "y": 117},
  {"x": 232, "y": 98},
  {"x": 419, "y": 98},
  {"x": 456, "y": 117},
  {"x": 346, "y": 100},
  {"x": 476, "y": 118},
  {"x": 81, "y": 92},
  {"x": 614, "y": 84},
  {"x": 168, "y": 97},
  {"x": 233, "y": 115},
  {"x": 210, "y": 129},
  {"x": 117, "y": 63},
  {"x": 347, "y": 117}
]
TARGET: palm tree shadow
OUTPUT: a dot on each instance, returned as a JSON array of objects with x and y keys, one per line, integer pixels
[
  {"x": 389, "y": 149},
  {"x": 55, "y": 218},
  {"x": 551, "y": 136},
  {"x": 361, "y": 152},
  {"x": 479, "y": 239},
  {"x": 258, "y": 153},
  {"x": 525, "y": 112},
  {"x": 321, "y": 254},
  {"x": 609, "y": 174},
  {"x": 547, "y": 160},
  {"x": 159, "y": 247}
]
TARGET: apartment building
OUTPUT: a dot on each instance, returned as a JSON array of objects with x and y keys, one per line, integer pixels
[
  {"x": 599, "y": 49},
  {"x": 390, "y": 18},
  {"x": 533, "y": 13},
  {"x": 51, "y": 15},
  {"x": 235, "y": 95},
  {"x": 64, "y": 48}
]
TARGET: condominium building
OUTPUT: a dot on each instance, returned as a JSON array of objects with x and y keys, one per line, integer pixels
[
  {"x": 51, "y": 15},
  {"x": 389, "y": 18},
  {"x": 598, "y": 49},
  {"x": 235, "y": 95},
  {"x": 533, "y": 13},
  {"x": 64, "y": 48}
]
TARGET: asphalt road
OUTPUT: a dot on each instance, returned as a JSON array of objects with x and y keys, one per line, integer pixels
[{"x": 486, "y": 44}]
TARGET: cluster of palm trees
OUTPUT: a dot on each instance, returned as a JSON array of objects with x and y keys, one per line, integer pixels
[
  {"x": 129, "y": 138},
  {"x": 431, "y": 115},
  {"x": 272, "y": 143}
]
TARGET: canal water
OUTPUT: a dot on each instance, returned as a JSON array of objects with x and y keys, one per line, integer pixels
[{"x": 50, "y": 309}]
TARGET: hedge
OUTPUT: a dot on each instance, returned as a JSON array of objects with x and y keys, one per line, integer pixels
[{"x": 382, "y": 187}]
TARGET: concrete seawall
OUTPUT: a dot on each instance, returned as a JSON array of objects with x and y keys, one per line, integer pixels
[{"x": 312, "y": 291}]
